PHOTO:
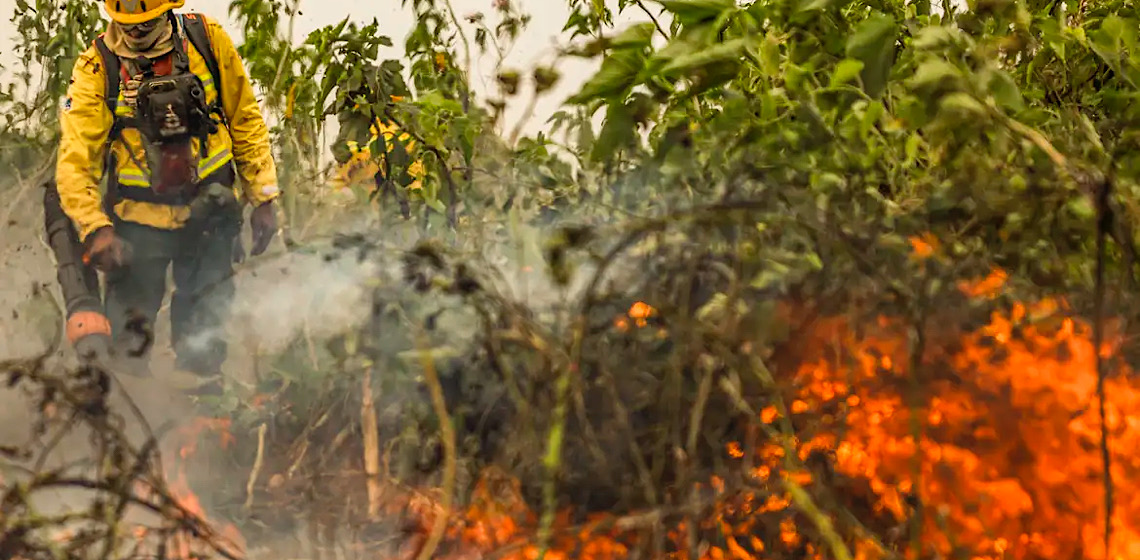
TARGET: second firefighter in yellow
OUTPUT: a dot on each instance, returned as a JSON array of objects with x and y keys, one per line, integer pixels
[{"x": 357, "y": 167}]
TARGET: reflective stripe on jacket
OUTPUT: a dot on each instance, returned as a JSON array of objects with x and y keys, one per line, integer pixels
[
  {"x": 361, "y": 168},
  {"x": 85, "y": 123}
]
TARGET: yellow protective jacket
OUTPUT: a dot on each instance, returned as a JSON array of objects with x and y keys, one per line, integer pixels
[
  {"x": 86, "y": 121},
  {"x": 361, "y": 167}
]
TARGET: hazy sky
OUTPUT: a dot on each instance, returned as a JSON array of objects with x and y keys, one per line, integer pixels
[{"x": 535, "y": 45}]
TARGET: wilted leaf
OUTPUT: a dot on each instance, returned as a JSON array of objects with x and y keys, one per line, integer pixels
[{"x": 544, "y": 78}]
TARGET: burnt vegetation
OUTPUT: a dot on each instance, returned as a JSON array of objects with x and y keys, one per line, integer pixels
[{"x": 829, "y": 281}]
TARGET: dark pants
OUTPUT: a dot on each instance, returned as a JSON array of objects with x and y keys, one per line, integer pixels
[{"x": 203, "y": 293}]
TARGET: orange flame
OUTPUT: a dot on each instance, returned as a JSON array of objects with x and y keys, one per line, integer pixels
[{"x": 639, "y": 312}]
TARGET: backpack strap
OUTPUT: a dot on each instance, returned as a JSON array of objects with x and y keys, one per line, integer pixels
[
  {"x": 112, "y": 68},
  {"x": 112, "y": 72},
  {"x": 194, "y": 26}
]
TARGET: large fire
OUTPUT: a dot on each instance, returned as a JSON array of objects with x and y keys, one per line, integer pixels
[{"x": 991, "y": 452}]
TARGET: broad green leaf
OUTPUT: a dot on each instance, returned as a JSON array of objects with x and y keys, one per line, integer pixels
[
  {"x": 794, "y": 76},
  {"x": 1120, "y": 30},
  {"x": 911, "y": 149},
  {"x": 723, "y": 52},
  {"x": 813, "y": 5},
  {"x": 1005, "y": 91},
  {"x": 637, "y": 35},
  {"x": 696, "y": 11},
  {"x": 873, "y": 43},
  {"x": 874, "y": 112},
  {"x": 934, "y": 37},
  {"x": 617, "y": 132},
  {"x": 847, "y": 69},
  {"x": 713, "y": 75},
  {"x": 934, "y": 73},
  {"x": 962, "y": 104},
  {"x": 770, "y": 56},
  {"x": 676, "y": 47},
  {"x": 618, "y": 72}
]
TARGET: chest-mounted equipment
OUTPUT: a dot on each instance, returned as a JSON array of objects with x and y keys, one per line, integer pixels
[{"x": 172, "y": 109}]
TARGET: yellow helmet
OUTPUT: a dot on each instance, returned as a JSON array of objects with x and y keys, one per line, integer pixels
[{"x": 130, "y": 12}]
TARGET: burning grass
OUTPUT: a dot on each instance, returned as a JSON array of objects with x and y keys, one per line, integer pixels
[
  {"x": 990, "y": 452},
  {"x": 853, "y": 439}
]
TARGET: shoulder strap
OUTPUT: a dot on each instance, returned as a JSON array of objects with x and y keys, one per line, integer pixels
[
  {"x": 195, "y": 28},
  {"x": 111, "y": 69}
]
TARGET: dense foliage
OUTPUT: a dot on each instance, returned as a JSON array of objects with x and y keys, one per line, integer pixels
[{"x": 827, "y": 281}]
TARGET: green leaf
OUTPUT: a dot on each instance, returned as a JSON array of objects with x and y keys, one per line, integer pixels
[
  {"x": 873, "y": 43},
  {"x": 847, "y": 69},
  {"x": 934, "y": 37},
  {"x": 617, "y": 132},
  {"x": 1005, "y": 91},
  {"x": 813, "y": 5},
  {"x": 962, "y": 104},
  {"x": 638, "y": 35},
  {"x": 1081, "y": 208},
  {"x": 934, "y": 73},
  {"x": 696, "y": 11},
  {"x": 722, "y": 52},
  {"x": 911, "y": 149},
  {"x": 770, "y": 56},
  {"x": 618, "y": 72},
  {"x": 771, "y": 277},
  {"x": 874, "y": 112},
  {"x": 1122, "y": 31}
]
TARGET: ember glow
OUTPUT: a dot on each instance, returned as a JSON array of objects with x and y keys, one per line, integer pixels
[{"x": 637, "y": 316}]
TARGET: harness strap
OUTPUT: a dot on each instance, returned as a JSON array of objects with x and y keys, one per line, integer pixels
[{"x": 193, "y": 27}]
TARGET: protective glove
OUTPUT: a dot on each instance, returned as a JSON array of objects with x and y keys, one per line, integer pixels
[
  {"x": 263, "y": 223},
  {"x": 106, "y": 250}
]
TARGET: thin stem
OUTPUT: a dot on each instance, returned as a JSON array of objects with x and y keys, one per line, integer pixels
[
  {"x": 1104, "y": 220},
  {"x": 287, "y": 48},
  {"x": 447, "y": 435},
  {"x": 652, "y": 18}
]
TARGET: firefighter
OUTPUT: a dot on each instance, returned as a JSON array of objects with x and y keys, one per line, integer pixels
[
  {"x": 356, "y": 166},
  {"x": 161, "y": 109}
]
